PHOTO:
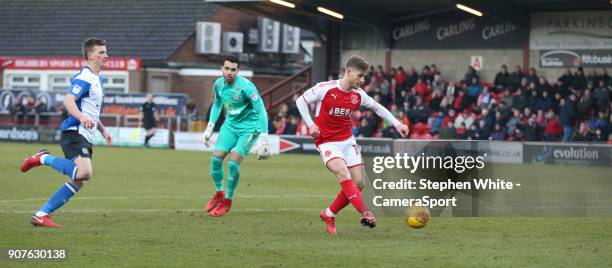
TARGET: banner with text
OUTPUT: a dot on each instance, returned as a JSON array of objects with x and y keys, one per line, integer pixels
[
  {"x": 567, "y": 153},
  {"x": 456, "y": 30},
  {"x": 571, "y": 30},
  {"x": 170, "y": 104},
  {"x": 66, "y": 63},
  {"x": 565, "y": 58}
]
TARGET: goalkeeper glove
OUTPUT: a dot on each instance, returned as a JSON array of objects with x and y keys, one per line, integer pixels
[
  {"x": 264, "y": 149},
  {"x": 208, "y": 133}
]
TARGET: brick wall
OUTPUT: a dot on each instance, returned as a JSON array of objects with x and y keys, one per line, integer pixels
[
  {"x": 135, "y": 81},
  {"x": 231, "y": 21},
  {"x": 451, "y": 63},
  {"x": 199, "y": 88}
]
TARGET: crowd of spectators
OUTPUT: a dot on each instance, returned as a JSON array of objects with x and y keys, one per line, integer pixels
[
  {"x": 25, "y": 108},
  {"x": 516, "y": 106}
]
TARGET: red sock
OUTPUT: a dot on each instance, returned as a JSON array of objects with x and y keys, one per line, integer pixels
[
  {"x": 353, "y": 195},
  {"x": 339, "y": 203}
]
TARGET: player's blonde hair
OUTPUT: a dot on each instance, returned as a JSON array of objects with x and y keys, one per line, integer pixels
[{"x": 357, "y": 62}]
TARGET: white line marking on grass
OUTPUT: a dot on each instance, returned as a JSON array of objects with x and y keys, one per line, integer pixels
[
  {"x": 270, "y": 196},
  {"x": 160, "y": 210}
]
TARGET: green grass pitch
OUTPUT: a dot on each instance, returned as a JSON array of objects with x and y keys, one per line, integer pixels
[{"x": 143, "y": 208}]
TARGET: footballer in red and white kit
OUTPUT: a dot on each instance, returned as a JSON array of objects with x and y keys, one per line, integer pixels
[
  {"x": 332, "y": 129},
  {"x": 333, "y": 117}
]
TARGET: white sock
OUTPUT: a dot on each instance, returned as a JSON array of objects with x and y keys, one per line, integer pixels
[
  {"x": 40, "y": 214},
  {"x": 42, "y": 158},
  {"x": 329, "y": 213}
]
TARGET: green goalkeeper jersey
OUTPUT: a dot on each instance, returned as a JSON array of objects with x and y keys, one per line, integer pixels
[{"x": 245, "y": 111}]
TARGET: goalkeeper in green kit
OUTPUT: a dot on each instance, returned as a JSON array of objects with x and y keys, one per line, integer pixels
[{"x": 246, "y": 121}]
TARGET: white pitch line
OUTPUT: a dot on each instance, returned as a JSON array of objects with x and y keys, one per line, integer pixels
[
  {"x": 166, "y": 197},
  {"x": 160, "y": 210}
]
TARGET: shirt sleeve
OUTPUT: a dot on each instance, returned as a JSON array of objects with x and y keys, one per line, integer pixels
[
  {"x": 258, "y": 105},
  {"x": 370, "y": 103},
  {"x": 304, "y": 111},
  {"x": 216, "y": 107},
  {"x": 313, "y": 94},
  {"x": 79, "y": 88}
]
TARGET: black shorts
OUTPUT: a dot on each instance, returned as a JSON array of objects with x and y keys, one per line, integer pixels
[
  {"x": 149, "y": 124},
  {"x": 74, "y": 144}
]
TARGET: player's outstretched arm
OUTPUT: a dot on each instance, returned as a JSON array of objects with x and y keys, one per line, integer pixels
[
  {"x": 263, "y": 152},
  {"x": 214, "y": 116},
  {"x": 381, "y": 111},
  {"x": 302, "y": 106},
  {"x": 260, "y": 108}
]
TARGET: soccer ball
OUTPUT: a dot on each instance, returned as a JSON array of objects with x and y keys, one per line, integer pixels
[{"x": 417, "y": 217}]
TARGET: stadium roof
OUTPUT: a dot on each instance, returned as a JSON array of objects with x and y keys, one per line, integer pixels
[
  {"x": 149, "y": 29},
  {"x": 381, "y": 14}
]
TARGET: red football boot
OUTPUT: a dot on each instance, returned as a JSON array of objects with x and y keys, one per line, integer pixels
[
  {"x": 33, "y": 161},
  {"x": 44, "y": 221},
  {"x": 212, "y": 204},
  {"x": 222, "y": 208},
  {"x": 330, "y": 222},
  {"x": 368, "y": 220}
]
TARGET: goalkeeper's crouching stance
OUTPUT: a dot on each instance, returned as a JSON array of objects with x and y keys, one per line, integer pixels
[{"x": 246, "y": 121}]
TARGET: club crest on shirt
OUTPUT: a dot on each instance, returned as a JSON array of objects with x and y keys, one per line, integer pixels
[
  {"x": 229, "y": 105},
  {"x": 76, "y": 89},
  {"x": 354, "y": 99}
]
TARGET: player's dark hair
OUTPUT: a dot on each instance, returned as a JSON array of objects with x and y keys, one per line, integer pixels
[
  {"x": 232, "y": 59},
  {"x": 90, "y": 43},
  {"x": 358, "y": 63}
]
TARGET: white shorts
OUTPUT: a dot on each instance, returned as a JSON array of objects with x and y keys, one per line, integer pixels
[{"x": 347, "y": 150}]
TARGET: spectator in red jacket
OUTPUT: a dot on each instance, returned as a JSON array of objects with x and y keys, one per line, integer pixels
[
  {"x": 450, "y": 117},
  {"x": 422, "y": 88},
  {"x": 553, "y": 130},
  {"x": 460, "y": 102},
  {"x": 400, "y": 76}
]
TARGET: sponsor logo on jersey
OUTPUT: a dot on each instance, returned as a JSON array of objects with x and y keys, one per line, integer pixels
[
  {"x": 339, "y": 111},
  {"x": 254, "y": 96},
  {"x": 236, "y": 97},
  {"x": 85, "y": 151},
  {"x": 76, "y": 89},
  {"x": 333, "y": 95},
  {"x": 327, "y": 153}
]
